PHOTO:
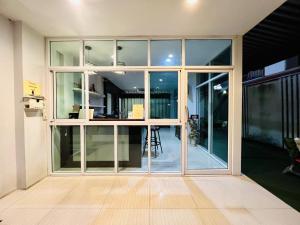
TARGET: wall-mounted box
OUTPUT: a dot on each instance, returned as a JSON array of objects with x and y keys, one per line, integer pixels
[{"x": 33, "y": 102}]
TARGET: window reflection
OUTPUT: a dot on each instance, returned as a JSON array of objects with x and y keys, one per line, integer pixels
[
  {"x": 117, "y": 95},
  {"x": 69, "y": 96},
  {"x": 166, "y": 53},
  {"x": 132, "y": 53},
  {"x": 208, "y": 52},
  {"x": 99, "y": 53},
  {"x": 163, "y": 95},
  {"x": 65, "y": 53}
]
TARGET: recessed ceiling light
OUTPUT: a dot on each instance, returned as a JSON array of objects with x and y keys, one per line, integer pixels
[
  {"x": 120, "y": 72},
  {"x": 170, "y": 56},
  {"x": 168, "y": 60},
  {"x": 134, "y": 87},
  {"x": 75, "y": 2},
  {"x": 161, "y": 80},
  {"x": 191, "y": 2}
]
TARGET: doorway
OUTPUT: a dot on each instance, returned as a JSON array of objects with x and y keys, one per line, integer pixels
[{"x": 207, "y": 104}]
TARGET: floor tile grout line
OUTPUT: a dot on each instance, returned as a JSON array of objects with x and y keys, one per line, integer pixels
[{"x": 53, "y": 208}]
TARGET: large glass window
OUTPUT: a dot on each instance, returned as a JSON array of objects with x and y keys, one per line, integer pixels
[
  {"x": 165, "y": 148},
  {"x": 65, "y": 53},
  {"x": 99, "y": 147},
  {"x": 69, "y": 95},
  {"x": 132, "y": 156},
  {"x": 66, "y": 148},
  {"x": 166, "y": 53},
  {"x": 164, "y": 95},
  {"x": 132, "y": 53},
  {"x": 207, "y": 52},
  {"x": 116, "y": 95},
  {"x": 99, "y": 53},
  {"x": 208, "y": 121}
]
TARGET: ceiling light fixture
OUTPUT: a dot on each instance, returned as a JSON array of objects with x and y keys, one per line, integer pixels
[
  {"x": 170, "y": 56},
  {"x": 120, "y": 72},
  {"x": 161, "y": 80},
  {"x": 75, "y": 2},
  {"x": 168, "y": 60},
  {"x": 191, "y": 2}
]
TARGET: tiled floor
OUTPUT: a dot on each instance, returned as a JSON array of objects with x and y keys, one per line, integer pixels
[{"x": 142, "y": 200}]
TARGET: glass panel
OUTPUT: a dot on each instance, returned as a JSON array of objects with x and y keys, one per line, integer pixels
[
  {"x": 131, "y": 149},
  {"x": 207, "y": 52},
  {"x": 165, "y": 148},
  {"x": 99, "y": 53},
  {"x": 166, "y": 53},
  {"x": 220, "y": 119},
  {"x": 132, "y": 53},
  {"x": 163, "y": 95},
  {"x": 99, "y": 145},
  {"x": 65, "y": 53},
  {"x": 208, "y": 121},
  {"x": 69, "y": 96},
  {"x": 66, "y": 148},
  {"x": 116, "y": 96}
]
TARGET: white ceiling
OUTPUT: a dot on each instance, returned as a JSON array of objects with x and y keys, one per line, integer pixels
[{"x": 139, "y": 17}]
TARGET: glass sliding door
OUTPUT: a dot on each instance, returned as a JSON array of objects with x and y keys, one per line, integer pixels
[{"x": 207, "y": 131}]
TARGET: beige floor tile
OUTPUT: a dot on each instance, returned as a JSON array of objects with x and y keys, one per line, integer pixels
[
  {"x": 82, "y": 198},
  {"x": 175, "y": 217},
  {"x": 236, "y": 192},
  {"x": 170, "y": 194},
  {"x": 11, "y": 199},
  {"x": 122, "y": 217},
  {"x": 276, "y": 216},
  {"x": 41, "y": 199},
  {"x": 56, "y": 183},
  {"x": 23, "y": 216},
  {"x": 70, "y": 217},
  {"x": 127, "y": 201},
  {"x": 129, "y": 185},
  {"x": 239, "y": 216}
]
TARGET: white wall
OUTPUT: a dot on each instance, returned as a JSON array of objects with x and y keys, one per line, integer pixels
[
  {"x": 29, "y": 64},
  {"x": 33, "y": 49},
  {"x": 7, "y": 110}
]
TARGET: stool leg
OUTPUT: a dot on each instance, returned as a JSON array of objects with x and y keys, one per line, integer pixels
[
  {"x": 146, "y": 143},
  {"x": 159, "y": 141}
]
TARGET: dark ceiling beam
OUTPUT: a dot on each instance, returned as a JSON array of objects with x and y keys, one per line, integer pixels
[
  {"x": 281, "y": 35},
  {"x": 256, "y": 45},
  {"x": 293, "y": 2},
  {"x": 271, "y": 40},
  {"x": 286, "y": 16},
  {"x": 290, "y": 9},
  {"x": 282, "y": 24},
  {"x": 267, "y": 27}
]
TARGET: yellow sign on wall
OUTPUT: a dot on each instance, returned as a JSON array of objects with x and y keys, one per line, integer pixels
[
  {"x": 31, "y": 88},
  {"x": 138, "y": 111}
]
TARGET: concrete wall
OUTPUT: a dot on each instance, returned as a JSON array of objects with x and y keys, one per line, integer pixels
[
  {"x": 264, "y": 113},
  {"x": 7, "y": 111}
]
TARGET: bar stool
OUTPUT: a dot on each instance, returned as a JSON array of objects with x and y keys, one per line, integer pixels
[{"x": 155, "y": 140}]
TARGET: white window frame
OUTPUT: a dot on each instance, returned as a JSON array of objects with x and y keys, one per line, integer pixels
[{"x": 235, "y": 70}]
